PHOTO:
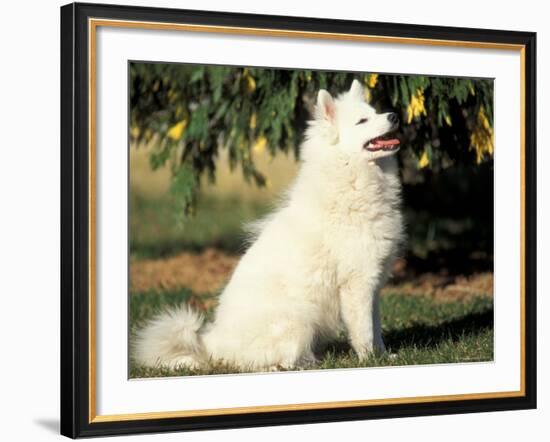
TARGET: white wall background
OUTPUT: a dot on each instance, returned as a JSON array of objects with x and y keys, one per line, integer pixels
[{"x": 29, "y": 220}]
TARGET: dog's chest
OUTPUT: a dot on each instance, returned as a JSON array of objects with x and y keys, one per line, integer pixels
[
  {"x": 371, "y": 243},
  {"x": 365, "y": 231}
]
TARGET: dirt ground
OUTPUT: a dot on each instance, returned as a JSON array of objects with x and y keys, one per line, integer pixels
[{"x": 207, "y": 272}]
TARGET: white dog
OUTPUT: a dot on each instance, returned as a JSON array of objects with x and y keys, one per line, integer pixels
[{"x": 316, "y": 264}]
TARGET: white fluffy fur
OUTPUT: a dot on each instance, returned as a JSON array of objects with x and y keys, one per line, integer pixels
[{"x": 315, "y": 265}]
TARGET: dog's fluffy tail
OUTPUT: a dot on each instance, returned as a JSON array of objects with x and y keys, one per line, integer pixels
[{"x": 170, "y": 340}]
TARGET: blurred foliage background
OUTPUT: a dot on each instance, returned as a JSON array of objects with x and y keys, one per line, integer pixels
[{"x": 198, "y": 123}]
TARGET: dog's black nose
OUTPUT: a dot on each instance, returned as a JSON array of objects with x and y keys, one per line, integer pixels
[{"x": 393, "y": 118}]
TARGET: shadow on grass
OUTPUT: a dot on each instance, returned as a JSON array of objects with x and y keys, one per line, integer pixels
[{"x": 428, "y": 336}]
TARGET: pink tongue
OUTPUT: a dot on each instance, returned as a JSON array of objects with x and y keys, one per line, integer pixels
[{"x": 384, "y": 143}]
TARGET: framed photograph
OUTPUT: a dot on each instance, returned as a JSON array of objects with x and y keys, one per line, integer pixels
[{"x": 274, "y": 220}]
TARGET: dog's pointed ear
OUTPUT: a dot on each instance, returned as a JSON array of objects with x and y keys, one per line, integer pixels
[
  {"x": 325, "y": 116},
  {"x": 325, "y": 109},
  {"x": 357, "y": 90}
]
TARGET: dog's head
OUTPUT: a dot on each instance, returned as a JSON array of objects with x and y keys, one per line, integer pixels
[{"x": 352, "y": 125}]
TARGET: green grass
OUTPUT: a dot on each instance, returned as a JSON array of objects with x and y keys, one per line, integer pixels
[
  {"x": 156, "y": 230},
  {"x": 417, "y": 330}
]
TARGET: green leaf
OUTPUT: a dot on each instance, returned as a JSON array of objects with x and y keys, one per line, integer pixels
[{"x": 183, "y": 190}]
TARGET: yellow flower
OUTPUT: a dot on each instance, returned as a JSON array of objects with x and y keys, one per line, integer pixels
[
  {"x": 252, "y": 123},
  {"x": 424, "y": 161},
  {"x": 482, "y": 137},
  {"x": 448, "y": 120},
  {"x": 371, "y": 80},
  {"x": 177, "y": 130},
  {"x": 250, "y": 83},
  {"x": 416, "y": 106},
  {"x": 260, "y": 144}
]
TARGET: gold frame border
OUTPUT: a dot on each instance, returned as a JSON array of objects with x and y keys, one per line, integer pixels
[{"x": 93, "y": 24}]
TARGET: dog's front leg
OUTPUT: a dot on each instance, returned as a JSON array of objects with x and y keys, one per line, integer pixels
[{"x": 361, "y": 316}]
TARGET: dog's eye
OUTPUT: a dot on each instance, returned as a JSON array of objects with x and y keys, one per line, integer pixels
[{"x": 362, "y": 120}]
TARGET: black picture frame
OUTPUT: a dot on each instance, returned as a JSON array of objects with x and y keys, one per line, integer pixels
[{"x": 76, "y": 418}]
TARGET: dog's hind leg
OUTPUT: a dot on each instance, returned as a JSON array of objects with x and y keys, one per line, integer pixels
[
  {"x": 273, "y": 338},
  {"x": 287, "y": 343}
]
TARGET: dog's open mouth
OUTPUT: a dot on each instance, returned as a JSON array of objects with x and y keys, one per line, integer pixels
[{"x": 384, "y": 142}]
